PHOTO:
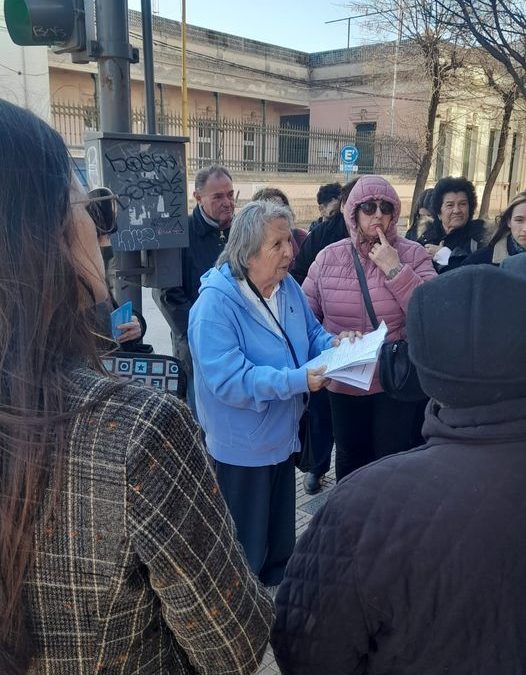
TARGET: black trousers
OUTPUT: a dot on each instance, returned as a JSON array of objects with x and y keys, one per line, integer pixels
[
  {"x": 369, "y": 427},
  {"x": 320, "y": 423},
  {"x": 262, "y": 501}
]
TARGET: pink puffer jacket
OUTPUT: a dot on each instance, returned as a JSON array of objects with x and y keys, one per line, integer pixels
[{"x": 332, "y": 285}]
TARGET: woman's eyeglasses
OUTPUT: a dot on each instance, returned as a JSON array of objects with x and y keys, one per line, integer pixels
[
  {"x": 101, "y": 205},
  {"x": 370, "y": 207}
]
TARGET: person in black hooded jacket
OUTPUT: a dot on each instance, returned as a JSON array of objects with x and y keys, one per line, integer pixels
[
  {"x": 417, "y": 563},
  {"x": 332, "y": 230}
]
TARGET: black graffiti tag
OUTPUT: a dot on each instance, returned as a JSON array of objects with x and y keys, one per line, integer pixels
[
  {"x": 143, "y": 161},
  {"x": 151, "y": 188}
]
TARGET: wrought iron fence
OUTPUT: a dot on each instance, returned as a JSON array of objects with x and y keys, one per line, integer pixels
[
  {"x": 72, "y": 121},
  {"x": 252, "y": 146}
]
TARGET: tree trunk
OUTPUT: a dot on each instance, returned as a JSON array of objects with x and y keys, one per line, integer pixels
[
  {"x": 427, "y": 157},
  {"x": 509, "y": 102}
]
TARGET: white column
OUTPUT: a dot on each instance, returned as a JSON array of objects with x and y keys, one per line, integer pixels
[{"x": 24, "y": 73}]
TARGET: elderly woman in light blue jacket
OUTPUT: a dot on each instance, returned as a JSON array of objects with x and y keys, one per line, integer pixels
[{"x": 250, "y": 333}]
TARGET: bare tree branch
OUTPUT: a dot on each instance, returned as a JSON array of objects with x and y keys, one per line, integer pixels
[
  {"x": 499, "y": 27},
  {"x": 427, "y": 35}
]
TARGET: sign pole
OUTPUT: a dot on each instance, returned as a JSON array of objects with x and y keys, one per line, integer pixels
[
  {"x": 115, "y": 115},
  {"x": 149, "y": 77}
]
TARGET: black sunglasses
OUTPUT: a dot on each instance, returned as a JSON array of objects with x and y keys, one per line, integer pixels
[
  {"x": 101, "y": 205},
  {"x": 369, "y": 207}
]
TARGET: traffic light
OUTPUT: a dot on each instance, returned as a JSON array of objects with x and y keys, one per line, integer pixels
[{"x": 56, "y": 23}]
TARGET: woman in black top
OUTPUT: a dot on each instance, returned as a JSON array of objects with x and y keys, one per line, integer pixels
[{"x": 454, "y": 233}]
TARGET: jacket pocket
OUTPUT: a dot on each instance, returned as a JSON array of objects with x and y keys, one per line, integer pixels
[{"x": 263, "y": 422}]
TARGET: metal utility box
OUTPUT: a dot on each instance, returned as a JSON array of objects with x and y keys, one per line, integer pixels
[{"x": 147, "y": 173}]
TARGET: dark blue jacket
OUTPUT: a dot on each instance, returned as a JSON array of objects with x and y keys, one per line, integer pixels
[{"x": 205, "y": 244}]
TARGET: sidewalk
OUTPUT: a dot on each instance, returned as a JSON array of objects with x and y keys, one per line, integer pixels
[{"x": 306, "y": 507}]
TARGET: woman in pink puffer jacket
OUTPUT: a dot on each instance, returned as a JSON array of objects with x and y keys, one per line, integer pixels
[{"x": 368, "y": 424}]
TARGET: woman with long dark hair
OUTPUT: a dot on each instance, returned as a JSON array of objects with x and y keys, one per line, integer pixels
[
  {"x": 117, "y": 553},
  {"x": 510, "y": 235}
]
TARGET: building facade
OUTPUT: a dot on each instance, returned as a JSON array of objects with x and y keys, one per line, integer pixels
[{"x": 281, "y": 116}]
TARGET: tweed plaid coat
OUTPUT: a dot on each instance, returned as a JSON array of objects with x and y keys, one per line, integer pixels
[{"x": 138, "y": 570}]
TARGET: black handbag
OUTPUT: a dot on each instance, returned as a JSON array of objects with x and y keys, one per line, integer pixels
[
  {"x": 304, "y": 459},
  {"x": 398, "y": 375}
]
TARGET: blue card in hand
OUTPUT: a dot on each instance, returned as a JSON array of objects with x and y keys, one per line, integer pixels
[{"x": 122, "y": 314}]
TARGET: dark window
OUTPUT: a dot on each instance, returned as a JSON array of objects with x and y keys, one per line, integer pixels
[
  {"x": 513, "y": 170},
  {"x": 365, "y": 133},
  {"x": 294, "y": 143},
  {"x": 441, "y": 151},
  {"x": 492, "y": 150},
  {"x": 466, "y": 157}
]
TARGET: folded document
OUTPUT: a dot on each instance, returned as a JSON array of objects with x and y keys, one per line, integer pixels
[{"x": 353, "y": 363}]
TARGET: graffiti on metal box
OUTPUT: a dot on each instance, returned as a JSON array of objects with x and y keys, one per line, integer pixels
[{"x": 150, "y": 183}]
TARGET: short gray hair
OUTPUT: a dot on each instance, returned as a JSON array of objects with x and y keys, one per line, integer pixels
[
  {"x": 204, "y": 174},
  {"x": 247, "y": 234}
]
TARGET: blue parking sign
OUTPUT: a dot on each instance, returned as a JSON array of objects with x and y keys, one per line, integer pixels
[{"x": 349, "y": 154}]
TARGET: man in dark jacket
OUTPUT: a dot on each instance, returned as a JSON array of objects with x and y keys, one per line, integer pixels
[
  {"x": 208, "y": 228},
  {"x": 417, "y": 564}
]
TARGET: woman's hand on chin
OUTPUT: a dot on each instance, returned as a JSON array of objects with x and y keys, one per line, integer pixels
[{"x": 384, "y": 255}]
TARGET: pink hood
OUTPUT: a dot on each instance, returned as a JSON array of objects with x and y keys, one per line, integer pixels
[{"x": 370, "y": 187}]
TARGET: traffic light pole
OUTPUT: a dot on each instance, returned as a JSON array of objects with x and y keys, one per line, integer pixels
[
  {"x": 149, "y": 78},
  {"x": 115, "y": 115},
  {"x": 114, "y": 65}
]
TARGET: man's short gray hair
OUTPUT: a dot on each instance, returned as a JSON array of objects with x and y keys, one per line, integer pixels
[
  {"x": 204, "y": 174},
  {"x": 247, "y": 234}
]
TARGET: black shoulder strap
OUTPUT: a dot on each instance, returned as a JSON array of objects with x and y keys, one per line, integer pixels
[
  {"x": 365, "y": 289},
  {"x": 255, "y": 290}
]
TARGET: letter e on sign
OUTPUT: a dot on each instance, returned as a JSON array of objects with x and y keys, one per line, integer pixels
[{"x": 349, "y": 154}]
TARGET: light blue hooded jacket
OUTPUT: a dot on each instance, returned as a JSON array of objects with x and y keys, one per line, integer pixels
[{"x": 248, "y": 390}]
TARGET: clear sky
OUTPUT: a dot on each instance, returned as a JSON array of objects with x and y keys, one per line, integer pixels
[{"x": 297, "y": 24}]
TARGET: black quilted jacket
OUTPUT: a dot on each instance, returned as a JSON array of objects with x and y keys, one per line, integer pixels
[
  {"x": 417, "y": 564},
  {"x": 318, "y": 238}
]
